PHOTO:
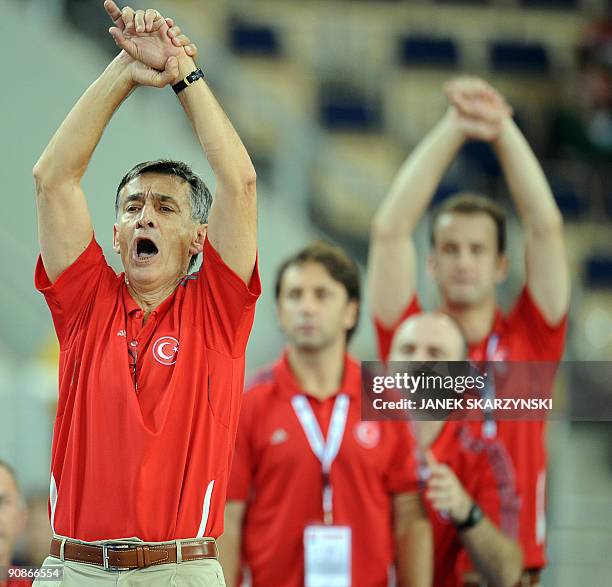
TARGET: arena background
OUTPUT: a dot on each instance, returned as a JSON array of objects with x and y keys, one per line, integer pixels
[{"x": 329, "y": 97}]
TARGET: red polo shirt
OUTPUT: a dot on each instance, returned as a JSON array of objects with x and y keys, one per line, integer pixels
[
  {"x": 484, "y": 469},
  {"x": 278, "y": 475},
  {"x": 522, "y": 335},
  {"x": 147, "y": 415}
]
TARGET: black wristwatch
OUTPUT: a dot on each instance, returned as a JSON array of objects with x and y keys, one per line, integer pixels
[
  {"x": 473, "y": 518},
  {"x": 187, "y": 81}
]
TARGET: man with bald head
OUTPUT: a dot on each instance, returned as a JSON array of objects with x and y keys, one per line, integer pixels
[
  {"x": 12, "y": 519},
  {"x": 431, "y": 336},
  {"x": 469, "y": 486}
]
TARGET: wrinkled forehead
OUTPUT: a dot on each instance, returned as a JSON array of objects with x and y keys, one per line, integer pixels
[{"x": 157, "y": 185}]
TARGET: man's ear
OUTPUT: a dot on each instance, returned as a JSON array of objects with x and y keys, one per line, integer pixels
[
  {"x": 116, "y": 239},
  {"x": 352, "y": 313},
  {"x": 502, "y": 269},
  {"x": 197, "y": 243}
]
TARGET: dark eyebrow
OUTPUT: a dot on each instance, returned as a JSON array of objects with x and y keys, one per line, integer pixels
[{"x": 140, "y": 196}]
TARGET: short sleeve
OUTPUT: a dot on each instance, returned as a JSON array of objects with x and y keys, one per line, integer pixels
[
  {"x": 71, "y": 295},
  {"x": 241, "y": 475},
  {"x": 229, "y": 303},
  {"x": 547, "y": 341},
  {"x": 384, "y": 334},
  {"x": 402, "y": 473}
]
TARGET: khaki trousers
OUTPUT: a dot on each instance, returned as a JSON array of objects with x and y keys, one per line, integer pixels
[{"x": 198, "y": 573}]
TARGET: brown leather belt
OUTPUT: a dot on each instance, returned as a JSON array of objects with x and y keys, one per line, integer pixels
[
  {"x": 529, "y": 578},
  {"x": 123, "y": 556}
]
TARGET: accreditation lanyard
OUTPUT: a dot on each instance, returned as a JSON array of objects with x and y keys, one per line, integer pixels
[
  {"x": 489, "y": 427},
  {"x": 325, "y": 451}
]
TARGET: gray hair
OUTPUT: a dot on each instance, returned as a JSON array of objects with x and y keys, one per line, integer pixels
[{"x": 200, "y": 197}]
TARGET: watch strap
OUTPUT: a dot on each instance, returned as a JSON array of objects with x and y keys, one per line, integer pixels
[
  {"x": 474, "y": 516},
  {"x": 188, "y": 80}
]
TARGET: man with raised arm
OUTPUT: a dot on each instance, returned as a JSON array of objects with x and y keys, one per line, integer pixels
[
  {"x": 468, "y": 260},
  {"x": 152, "y": 360}
]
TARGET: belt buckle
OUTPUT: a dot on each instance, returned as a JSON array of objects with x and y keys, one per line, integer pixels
[{"x": 105, "y": 561}]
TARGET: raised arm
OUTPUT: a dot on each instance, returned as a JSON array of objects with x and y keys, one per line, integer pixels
[
  {"x": 391, "y": 264},
  {"x": 232, "y": 227},
  {"x": 546, "y": 264},
  {"x": 545, "y": 259},
  {"x": 64, "y": 223}
]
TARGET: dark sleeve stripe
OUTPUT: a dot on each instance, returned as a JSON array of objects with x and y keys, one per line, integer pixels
[
  {"x": 266, "y": 375},
  {"x": 505, "y": 478}
]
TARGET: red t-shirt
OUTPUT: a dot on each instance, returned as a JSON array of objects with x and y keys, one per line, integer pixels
[
  {"x": 485, "y": 470},
  {"x": 522, "y": 335},
  {"x": 280, "y": 478},
  {"x": 147, "y": 415}
]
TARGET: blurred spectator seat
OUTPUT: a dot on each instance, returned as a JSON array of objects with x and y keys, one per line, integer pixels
[
  {"x": 608, "y": 203},
  {"x": 279, "y": 86},
  {"x": 599, "y": 270},
  {"x": 428, "y": 51},
  {"x": 253, "y": 39},
  {"x": 532, "y": 98},
  {"x": 480, "y": 157},
  {"x": 414, "y": 101},
  {"x": 445, "y": 190},
  {"x": 352, "y": 174},
  {"x": 516, "y": 57},
  {"x": 342, "y": 106},
  {"x": 553, "y": 4},
  {"x": 572, "y": 205}
]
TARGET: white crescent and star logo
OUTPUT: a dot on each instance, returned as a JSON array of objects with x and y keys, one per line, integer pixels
[
  {"x": 367, "y": 434},
  {"x": 165, "y": 350}
]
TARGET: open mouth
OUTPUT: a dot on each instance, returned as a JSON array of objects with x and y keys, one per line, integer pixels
[{"x": 145, "y": 249}]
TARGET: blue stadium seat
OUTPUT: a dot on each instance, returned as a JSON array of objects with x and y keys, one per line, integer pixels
[
  {"x": 571, "y": 204},
  {"x": 428, "y": 51},
  {"x": 599, "y": 270},
  {"x": 445, "y": 190},
  {"x": 608, "y": 204},
  {"x": 554, "y": 4},
  {"x": 342, "y": 107},
  {"x": 480, "y": 156},
  {"x": 466, "y": 2},
  {"x": 253, "y": 40},
  {"x": 515, "y": 57}
]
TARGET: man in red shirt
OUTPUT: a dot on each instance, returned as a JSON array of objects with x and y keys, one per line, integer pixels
[
  {"x": 13, "y": 516},
  {"x": 470, "y": 490},
  {"x": 152, "y": 360},
  {"x": 468, "y": 261},
  {"x": 317, "y": 497}
]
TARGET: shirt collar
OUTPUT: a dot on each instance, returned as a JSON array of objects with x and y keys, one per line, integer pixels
[
  {"x": 290, "y": 386},
  {"x": 132, "y": 307},
  {"x": 478, "y": 350}
]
